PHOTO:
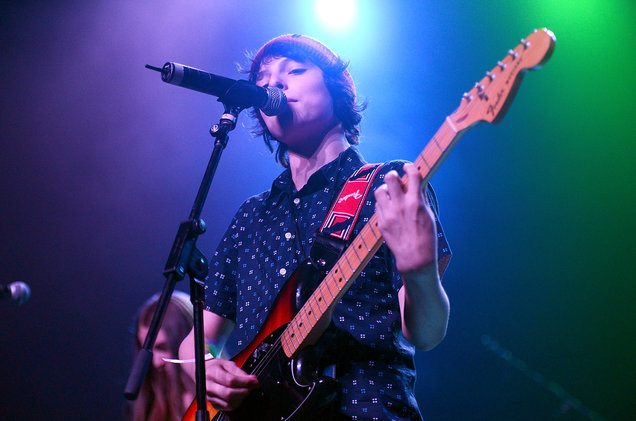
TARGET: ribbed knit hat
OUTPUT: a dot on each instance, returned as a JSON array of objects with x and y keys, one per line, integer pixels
[{"x": 313, "y": 49}]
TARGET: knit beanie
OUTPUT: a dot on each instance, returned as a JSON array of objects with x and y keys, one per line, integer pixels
[{"x": 302, "y": 46}]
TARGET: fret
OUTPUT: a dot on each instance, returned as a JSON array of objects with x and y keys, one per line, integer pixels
[
  {"x": 292, "y": 337},
  {"x": 437, "y": 142},
  {"x": 321, "y": 299},
  {"x": 308, "y": 312},
  {"x": 301, "y": 323},
  {"x": 361, "y": 236},
  {"x": 348, "y": 262},
  {"x": 424, "y": 160},
  {"x": 312, "y": 311},
  {"x": 337, "y": 280},
  {"x": 285, "y": 341},
  {"x": 332, "y": 284},
  {"x": 431, "y": 156},
  {"x": 373, "y": 223},
  {"x": 298, "y": 334},
  {"x": 310, "y": 322},
  {"x": 347, "y": 272},
  {"x": 328, "y": 285},
  {"x": 360, "y": 259}
]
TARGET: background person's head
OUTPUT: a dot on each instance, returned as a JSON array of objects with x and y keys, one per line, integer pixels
[{"x": 166, "y": 390}]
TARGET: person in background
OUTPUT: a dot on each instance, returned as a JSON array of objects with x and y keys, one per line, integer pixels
[{"x": 166, "y": 391}]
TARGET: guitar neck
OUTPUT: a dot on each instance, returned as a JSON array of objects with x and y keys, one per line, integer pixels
[
  {"x": 320, "y": 304},
  {"x": 487, "y": 101}
]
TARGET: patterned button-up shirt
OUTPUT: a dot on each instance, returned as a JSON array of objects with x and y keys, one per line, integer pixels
[{"x": 270, "y": 235}]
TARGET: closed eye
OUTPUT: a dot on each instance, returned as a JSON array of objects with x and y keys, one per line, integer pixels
[{"x": 298, "y": 71}]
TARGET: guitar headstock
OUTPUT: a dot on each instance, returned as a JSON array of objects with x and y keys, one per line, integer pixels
[{"x": 490, "y": 98}]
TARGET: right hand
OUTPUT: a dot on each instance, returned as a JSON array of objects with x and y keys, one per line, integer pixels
[{"x": 227, "y": 385}]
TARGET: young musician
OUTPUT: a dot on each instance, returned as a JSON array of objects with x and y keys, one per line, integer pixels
[
  {"x": 166, "y": 391},
  {"x": 397, "y": 303}
]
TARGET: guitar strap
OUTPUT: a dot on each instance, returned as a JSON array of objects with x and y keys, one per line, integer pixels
[
  {"x": 346, "y": 208},
  {"x": 331, "y": 238}
]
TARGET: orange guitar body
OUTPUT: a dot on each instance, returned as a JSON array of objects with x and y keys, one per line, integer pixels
[{"x": 286, "y": 390}]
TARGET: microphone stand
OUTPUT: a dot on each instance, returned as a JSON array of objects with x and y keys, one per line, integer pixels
[{"x": 186, "y": 258}]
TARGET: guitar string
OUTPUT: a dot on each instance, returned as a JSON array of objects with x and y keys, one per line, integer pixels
[
  {"x": 258, "y": 369},
  {"x": 277, "y": 345},
  {"x": 269, "y": 355}
]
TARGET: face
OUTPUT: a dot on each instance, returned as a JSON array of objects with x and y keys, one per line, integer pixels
[
  {"x": 310, "y": 114},
  {"x": 161, "y": 349}
]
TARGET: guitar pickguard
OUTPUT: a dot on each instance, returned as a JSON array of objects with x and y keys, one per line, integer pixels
[{"x": 289, "y": 388}]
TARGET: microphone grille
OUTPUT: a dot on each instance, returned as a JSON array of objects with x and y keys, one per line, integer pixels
[
  {"x": 20, "y": 292},
  {"x": 276, "y": 102}
]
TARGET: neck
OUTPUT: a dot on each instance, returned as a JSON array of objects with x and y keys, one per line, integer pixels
[{"x": 304, "y": 163}]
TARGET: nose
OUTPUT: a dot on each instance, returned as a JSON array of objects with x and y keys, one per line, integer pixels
[{"x": 276, "y": 81}]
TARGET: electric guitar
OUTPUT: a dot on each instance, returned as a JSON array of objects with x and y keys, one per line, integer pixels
[{"x": 282, "y": 353}]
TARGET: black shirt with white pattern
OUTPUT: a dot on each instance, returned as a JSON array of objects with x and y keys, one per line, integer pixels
[{"x": 259, "y": 251}]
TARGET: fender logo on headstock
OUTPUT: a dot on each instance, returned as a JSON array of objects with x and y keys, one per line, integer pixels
[
  {"x": 490, "y": 98},
  {"x": 513, "y": 72},
  {"x": 493, "y": 107}
]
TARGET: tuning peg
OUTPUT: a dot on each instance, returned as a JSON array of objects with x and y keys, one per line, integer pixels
[{"x": 514, "y": 54}]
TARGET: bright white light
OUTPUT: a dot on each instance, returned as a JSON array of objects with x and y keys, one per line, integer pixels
[{"x": 336, "y": 14}]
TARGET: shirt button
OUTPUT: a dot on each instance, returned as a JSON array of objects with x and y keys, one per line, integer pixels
[
  {"x": 288, "y": 235},
  {"x": 296, "y": 201},
  {"x": 283, "y": 271}
]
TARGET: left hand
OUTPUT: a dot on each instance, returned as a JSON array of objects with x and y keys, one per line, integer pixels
[{"x": 406, "y": 221}]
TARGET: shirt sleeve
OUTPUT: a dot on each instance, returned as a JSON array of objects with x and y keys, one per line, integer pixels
[{"x": 220, "y": 285}]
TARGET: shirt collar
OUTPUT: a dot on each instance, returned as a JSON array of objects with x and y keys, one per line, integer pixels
[{"x": 350, "y": 160}]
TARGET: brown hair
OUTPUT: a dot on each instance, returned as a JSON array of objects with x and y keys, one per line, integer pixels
[{"x": 161, "y": 394}]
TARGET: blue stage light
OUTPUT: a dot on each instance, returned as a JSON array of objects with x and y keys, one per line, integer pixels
[{"x": 336, "y": 14}]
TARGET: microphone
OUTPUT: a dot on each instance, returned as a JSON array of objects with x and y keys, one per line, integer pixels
[
  {"x": 238, "y": 93},
  {"x": 18, "y": 292}
]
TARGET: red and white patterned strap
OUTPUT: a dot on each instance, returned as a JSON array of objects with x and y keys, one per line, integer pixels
[{"x": 345, "y": 210}]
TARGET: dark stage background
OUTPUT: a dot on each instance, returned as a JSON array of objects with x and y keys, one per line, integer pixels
[{"x": 101, "y": 160}]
